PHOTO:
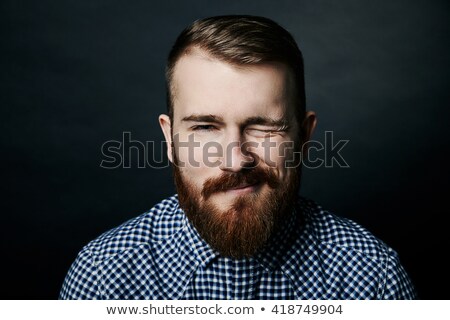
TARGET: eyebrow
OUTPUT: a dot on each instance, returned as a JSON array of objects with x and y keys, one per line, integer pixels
[
  {"x": 258, "y": 120},
  {"x": 203, "y": 118}
]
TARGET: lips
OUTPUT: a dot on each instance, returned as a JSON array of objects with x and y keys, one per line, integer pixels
[
  {"x": 243, "y": 189},
  {"x": 243, "y": 186},
  {"x": 244, "y": 181}
]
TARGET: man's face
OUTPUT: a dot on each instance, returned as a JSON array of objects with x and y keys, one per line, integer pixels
[{"x": 232, "y": 132}]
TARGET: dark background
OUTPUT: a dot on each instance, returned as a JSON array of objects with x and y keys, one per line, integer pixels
[{"x": 75, "y": 74}]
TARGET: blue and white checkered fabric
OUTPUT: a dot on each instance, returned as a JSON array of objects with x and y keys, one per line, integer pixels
[{"x": 159, "y": 255}]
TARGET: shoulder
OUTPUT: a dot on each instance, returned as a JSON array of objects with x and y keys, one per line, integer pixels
[
  {"x": 120, "y": 247},
  {"x": 333, "y": 230},
  {"x": 158, "y": 223},
  {"x": 355, "y": 263}
]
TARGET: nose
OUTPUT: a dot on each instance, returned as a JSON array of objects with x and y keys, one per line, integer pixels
[{"x": 237, "y": 154}]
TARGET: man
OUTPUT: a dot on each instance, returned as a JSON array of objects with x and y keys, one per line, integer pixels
[{"x": 235, "y": 128}]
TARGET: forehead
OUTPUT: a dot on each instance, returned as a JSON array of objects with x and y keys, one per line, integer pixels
[{"x": 205, "y": 85}]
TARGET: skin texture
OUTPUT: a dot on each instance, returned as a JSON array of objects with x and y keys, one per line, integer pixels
[{"x": 231, "y": 184}]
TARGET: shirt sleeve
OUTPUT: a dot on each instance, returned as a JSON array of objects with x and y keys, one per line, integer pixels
[
  {"x": 81, "y": 281},
  {"x": 398, "y": 285}
]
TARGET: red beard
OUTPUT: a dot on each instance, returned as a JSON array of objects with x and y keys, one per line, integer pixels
[{"x": 248, "y": 224}]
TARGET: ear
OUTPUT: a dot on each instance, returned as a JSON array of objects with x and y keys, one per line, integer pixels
[
  {"x": 308, "y": 125},
  {"x": 166, "y": 125}
]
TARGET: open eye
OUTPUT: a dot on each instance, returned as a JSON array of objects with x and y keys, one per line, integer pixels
[{"x": 203, "y": 127}]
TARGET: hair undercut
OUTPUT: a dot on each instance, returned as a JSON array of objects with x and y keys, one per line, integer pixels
[{"x": 241, "y": 40}]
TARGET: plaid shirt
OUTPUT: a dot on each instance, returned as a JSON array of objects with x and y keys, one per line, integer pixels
[{"x": 159, "y": 255}]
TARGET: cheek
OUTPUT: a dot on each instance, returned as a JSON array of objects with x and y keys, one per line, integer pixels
[
  {"x": 187, "y": 151},
  {"x": 197, "y": 152},
  {"x": 191, "y": 162},
  {"x": 276, "y": 154}
]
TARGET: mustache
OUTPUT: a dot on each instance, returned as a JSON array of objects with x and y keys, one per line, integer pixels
[{"x": 230, "y": 180}]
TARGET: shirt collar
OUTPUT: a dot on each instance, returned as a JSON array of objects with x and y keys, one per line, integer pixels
[
  {"x": 178, "y": 257},
  {"x": 275, "y": 253},
  {"x": 203, "y": 252}
]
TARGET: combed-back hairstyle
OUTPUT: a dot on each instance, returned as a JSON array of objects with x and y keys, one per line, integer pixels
[{"x": 241, "y": 40}]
